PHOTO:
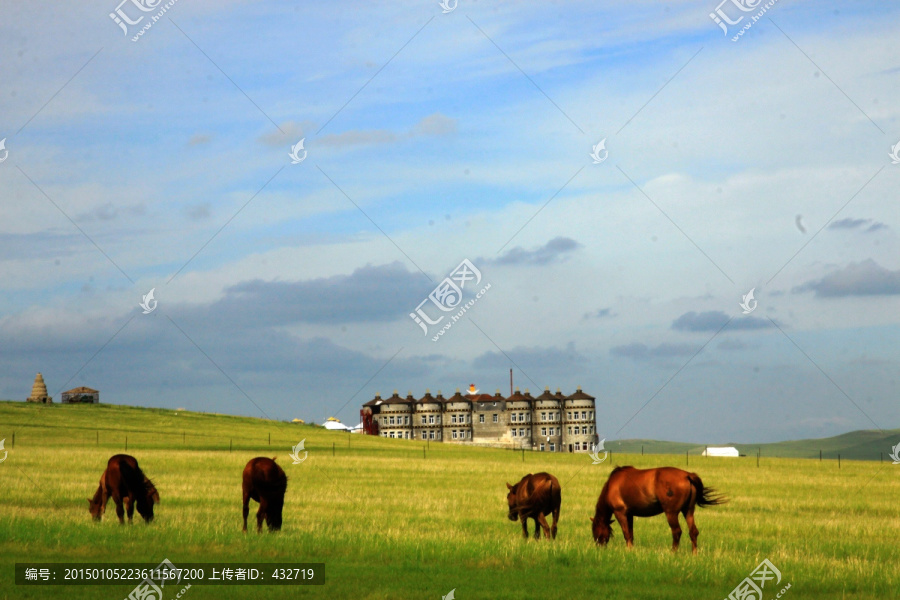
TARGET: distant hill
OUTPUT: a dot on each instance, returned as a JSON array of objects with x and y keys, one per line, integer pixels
[{"x": 866, "y": 444}]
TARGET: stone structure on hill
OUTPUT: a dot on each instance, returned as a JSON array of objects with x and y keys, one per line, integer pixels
[{"x": 39, "y": 391}]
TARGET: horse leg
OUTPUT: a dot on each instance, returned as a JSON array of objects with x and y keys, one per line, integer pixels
[
  {"x": 261, "y": 514},
  {"x": 542, "y": 521},
  {"x": 524, "y": 519},
  {"x": 692, "y": 529},
  {"x": 120, "y": 510},
  {"x": 555, "y": 519},
  {"x": 625, "y": 524},
  {"x": 675, "y": 526},
  {"x": 129, "y": 507},
  {"x": 246, "y": 509}
]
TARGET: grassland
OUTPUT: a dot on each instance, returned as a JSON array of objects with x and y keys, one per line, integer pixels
[
  {"x": 866, "y": 444},
  {"x": 391, "y": 522}
]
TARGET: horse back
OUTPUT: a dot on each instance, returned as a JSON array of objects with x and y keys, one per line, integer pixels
[
  {"x": 540, "y": 492},
  {"x": 123, "y": 476},
  {"x": 264, "y": 477}
]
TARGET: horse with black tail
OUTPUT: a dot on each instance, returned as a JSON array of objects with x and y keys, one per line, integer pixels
[
  {"x": 534, "y": 497},
  {"x": 631, "y": 492},
  {"x": 126, "y": 484}
]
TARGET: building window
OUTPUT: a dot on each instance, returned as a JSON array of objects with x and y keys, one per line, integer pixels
[
  {"x": 552, "y": 447},
  {"x": 542, "y": 447},
  {"x": 591, "y": 413},
  {"x": 577, "y": 431},
  {"x": 392, "y": 434},
  {"x": 569, "y": 415},
  {"x": 495, "y": 418},
  {"x": 543, "y": 416},
  {"x": 583, "y": 415},
  {"x": 406, "y": 434},
  {"x": 424, "y": 419},
  {"x": 431, "y": 435},
  {"x": 405, "y": 420},
  {"x": 577, "y": 446},
  {"x": 570, "y": 431},
  {"x": 454, "y": 434},
  {"x": 514, "y": 433},
  {"x": 392, "y": 420},
  {"x": 453, "y": 418},
  {"x": 521, "y": 433},
  {"x": 543, "y": 433},
  {"x": 513, "y": 417},
  {"x": 431, "y": 419}
]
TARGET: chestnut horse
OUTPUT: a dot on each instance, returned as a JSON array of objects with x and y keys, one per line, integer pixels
[
  {"x": 631, "y": 492},
  {"x": 532, "y": 498},
  {"x": 123, "y": 481},
  {"x": 265, "y": 482}
]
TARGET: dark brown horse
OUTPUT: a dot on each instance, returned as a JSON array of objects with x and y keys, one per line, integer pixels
[
  {"x": 265, "y": 482},
  {"x": 532, "y": 498},
  {"x": 631, "y": 492},
  {"x": 124, "y": 482}
]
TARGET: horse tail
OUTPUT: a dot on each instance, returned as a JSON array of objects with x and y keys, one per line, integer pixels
[{"x": 705, "y": 496}]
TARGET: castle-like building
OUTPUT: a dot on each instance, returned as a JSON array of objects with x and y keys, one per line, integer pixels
[{"x": 547, "y": 423}]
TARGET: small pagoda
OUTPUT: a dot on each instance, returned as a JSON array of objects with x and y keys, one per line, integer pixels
[{"x": 39, "y": 391}]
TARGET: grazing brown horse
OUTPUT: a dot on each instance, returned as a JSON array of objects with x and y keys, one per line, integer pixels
[
  {"x": 124, "y": 482},
  {"x": 532, "y": 498},
  {"x": 631, "y": 492},
  {"x": 265, "y": 482}
]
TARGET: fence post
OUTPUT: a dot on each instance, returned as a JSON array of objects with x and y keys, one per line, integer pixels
[
  {"x": 126, "y": 443},
  {"x": 270, "y": 438},
  {"x": 839, "y": 461},
  {"x": 332, "y": 448},
  {"x": 642, "y": 449},
  {"x": 14, "y": 440},
  {"x": 820, "y": 456},
  {"x": 523, "y": 454},
  {"x": 758, "y": 450},
  {"x": 686, "y": 457},
  {"x": 98, "y": 438},
  {"x": 423, "y": 452},
  {"x": 230, "y": 445}
]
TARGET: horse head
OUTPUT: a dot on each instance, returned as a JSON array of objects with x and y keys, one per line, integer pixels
[
  {"x": 511, "y": 501},
  {"x": 95, "y": 507},
  {"x": 145, "y": 506},
  {"x": 601, "y": 530}
]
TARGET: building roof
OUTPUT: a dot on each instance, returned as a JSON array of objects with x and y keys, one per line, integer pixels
[
  {"x": 396, "y": 399},
  {"x": 546, "y": 395},
  {"x": 518, "y": 396},
  {"x": 457, "y": 397},
  {"x": 82, "y": 390},
  {"x": 374, "y": 401},
  {"x": 427, "y": 399},
  {"x": 579, "y": 395}
]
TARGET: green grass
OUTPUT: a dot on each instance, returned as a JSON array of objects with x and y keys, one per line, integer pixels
[{"x": 390, "y": 523}]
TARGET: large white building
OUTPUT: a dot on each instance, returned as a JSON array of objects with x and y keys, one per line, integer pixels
[{"x": 546, "y": 423}]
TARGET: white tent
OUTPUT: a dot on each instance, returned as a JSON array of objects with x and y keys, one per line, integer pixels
[
  {"x": 335, "y": 426},
  {"x": 723, "y": 451}
]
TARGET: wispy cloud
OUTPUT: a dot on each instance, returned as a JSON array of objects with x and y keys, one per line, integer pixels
[{"x": 866, "y": 278}]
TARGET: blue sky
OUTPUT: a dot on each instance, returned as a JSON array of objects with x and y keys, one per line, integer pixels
[{"x": 284, "y": 290}]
